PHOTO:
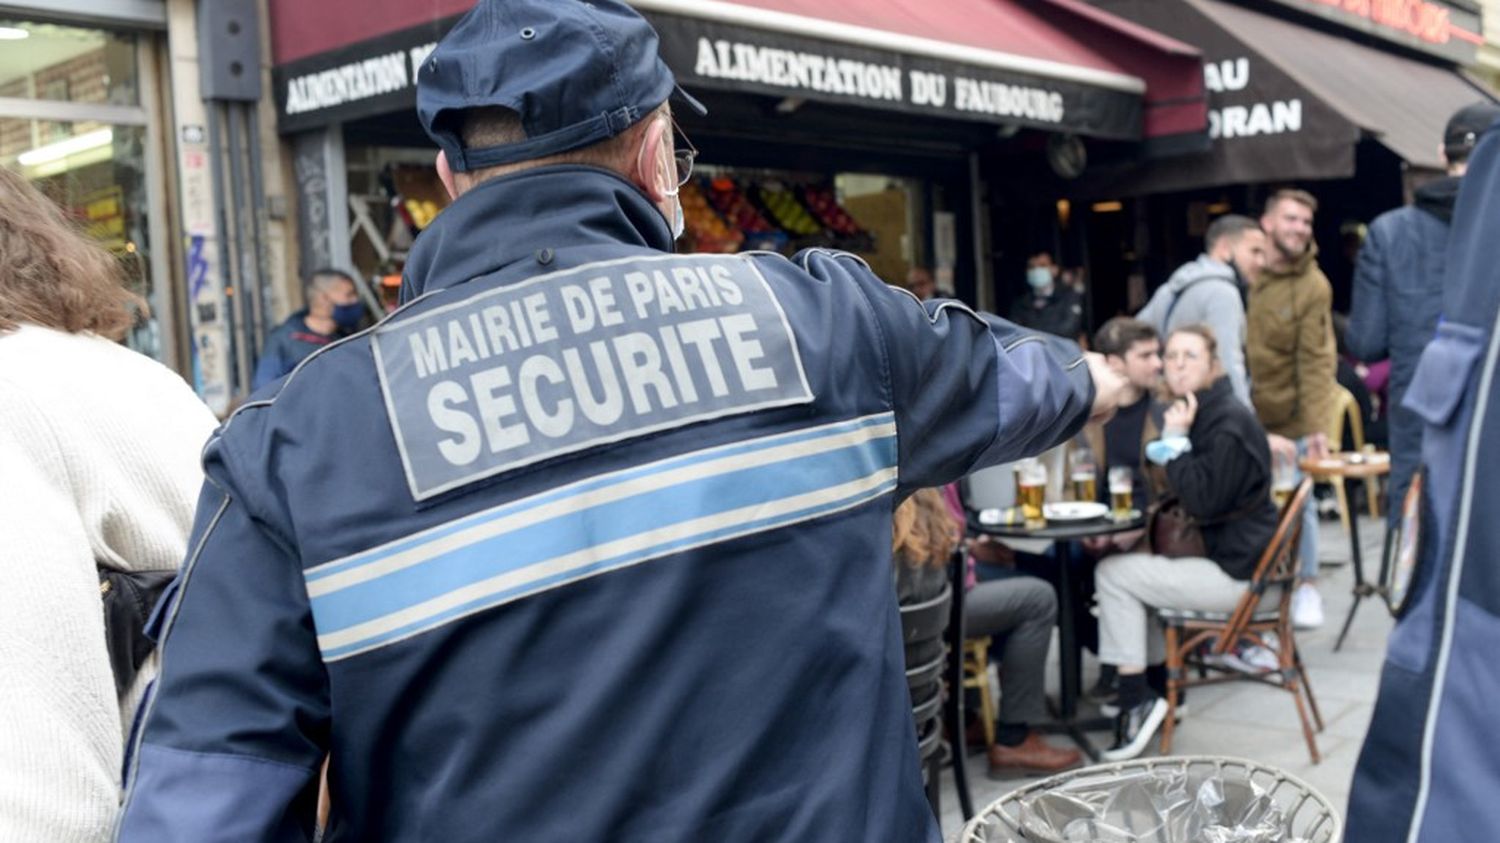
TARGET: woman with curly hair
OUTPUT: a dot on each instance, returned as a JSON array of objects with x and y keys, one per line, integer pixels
[
  {"x": 1018, "y": 613},
  {"x": 99, "y": 469}
]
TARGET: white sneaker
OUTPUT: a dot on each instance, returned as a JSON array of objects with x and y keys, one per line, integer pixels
[{"x": 1307, "y": 607}]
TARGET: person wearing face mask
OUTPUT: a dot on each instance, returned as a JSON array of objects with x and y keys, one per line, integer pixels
[
  {"x": 333, "y": 311},
  {"x": 1049, "y": 306},
  {"x": 587, "y": 539},
  {"x": 1210, "y": 291}
]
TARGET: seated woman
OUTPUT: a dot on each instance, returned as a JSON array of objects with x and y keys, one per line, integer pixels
[
  {"x": 1218, "y": 464},
  {"x": 1021, "y": 609}
]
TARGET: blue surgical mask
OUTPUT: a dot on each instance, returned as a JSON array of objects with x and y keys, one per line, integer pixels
[
  {"x": 347, "y": 316},
  {"x": 1039, "y": 277}
]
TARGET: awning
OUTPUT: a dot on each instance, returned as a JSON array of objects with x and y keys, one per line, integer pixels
[
  {"x": 1289, "y": 102},
  {"x": 1058, "y": 65},
  {"x": 1402, "y": 102}
]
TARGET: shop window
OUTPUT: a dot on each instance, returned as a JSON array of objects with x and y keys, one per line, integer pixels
[
  {"x": 41, "y": 61},
  {"x": 96, "y": 172},
  {"x": 880, "y": 218}
]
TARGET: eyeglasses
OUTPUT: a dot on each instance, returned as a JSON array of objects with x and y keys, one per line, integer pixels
[
  {"x": 686, "y": 153},
  {"x": 1181, "y": 356}
]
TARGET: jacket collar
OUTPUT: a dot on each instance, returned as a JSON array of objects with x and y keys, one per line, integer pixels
[
  {"x": 515, "y": 217},
  {"x": 1217, "y": 391},
  {"x": 1299, "y": 265}
]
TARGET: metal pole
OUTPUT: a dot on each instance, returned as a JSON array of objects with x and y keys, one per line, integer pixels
[
  {"x": 984, "y": 291},
  {"x": 249, "y": 286},
  {"x": 258, "y": 212},
  {"x": 239, "y": 374}
]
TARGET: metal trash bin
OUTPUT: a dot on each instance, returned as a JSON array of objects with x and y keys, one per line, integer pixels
[{"x": 1191, "y": 799}]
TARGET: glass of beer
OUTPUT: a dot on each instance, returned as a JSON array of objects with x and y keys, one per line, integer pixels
[
  {"x": 1121, "y": 492},
  {"x": 1283, "y": 480},
  {"x": 1032, "y": 476},
  {"x": 1082, "y": 472}
]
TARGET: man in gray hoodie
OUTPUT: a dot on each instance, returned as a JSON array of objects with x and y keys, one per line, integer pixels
[{"x": 1210, "y": 291}]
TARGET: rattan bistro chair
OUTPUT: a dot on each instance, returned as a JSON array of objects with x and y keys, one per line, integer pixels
[
  {"x": 924, "y": 629},
  {"x": 1188, "y": 632}
]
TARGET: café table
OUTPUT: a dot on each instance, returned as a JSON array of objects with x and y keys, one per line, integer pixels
[
  {"x": 1346, "y": 468},
  {"x": 1070, "y": 651}
]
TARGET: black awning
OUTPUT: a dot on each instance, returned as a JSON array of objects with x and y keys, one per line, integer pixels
[
  {"x": 1402, "y": 102},
  {"x": 718, "y": 55},
  {"x": 1264, "y": 125},
  {"x": 1078, "y": 92},
  {"x": 1288, "y": 102}
]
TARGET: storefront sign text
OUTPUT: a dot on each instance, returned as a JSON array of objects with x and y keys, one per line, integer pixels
[
  {"x": 361, "y": 80},
  {"x": 793, "y": 69},
  {"x": 379, "y": 76},
  {"x": 1277, "y": 117},
  {"x": 1439, "y": 27}
]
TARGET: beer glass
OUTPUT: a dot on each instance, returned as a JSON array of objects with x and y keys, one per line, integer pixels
[
  {"x": 1283, "y": 480},
  {"x": 1121, "y": 492},
  {"x": 1082, "y": 472},
  {"x": 1032, "y": 477}
]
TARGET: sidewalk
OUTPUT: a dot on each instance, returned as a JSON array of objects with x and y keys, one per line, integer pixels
[{"x": 1252, "y": 721}]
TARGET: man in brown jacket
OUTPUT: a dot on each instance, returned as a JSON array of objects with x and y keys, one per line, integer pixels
[{"x": 1292, "y": 359}]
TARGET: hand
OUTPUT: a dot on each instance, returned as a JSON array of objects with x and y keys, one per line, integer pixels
[
  {"x": 1125, "y": 541},
  {"x": 1282, "y": 448},
  {"x": 1097, "y": 546},
  {"x": 1109, "y": 388},
  {"x": 1179, "y": 417},
  {"x": 1317, "y": 446}
]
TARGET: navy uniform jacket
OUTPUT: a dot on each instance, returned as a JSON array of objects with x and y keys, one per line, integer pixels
[
  {"x": 287, "y": 345},
  {"x": 594, "y": 543},
  {"x": 1428, "y": 772},
  {"x": 1398, "y": 293}
]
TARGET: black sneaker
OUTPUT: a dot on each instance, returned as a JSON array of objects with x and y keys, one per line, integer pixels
[
  {"x": 1107, "y": 688},
  {"x": 1134, "y": 728},
  {"x": 1110, "y": 706}
]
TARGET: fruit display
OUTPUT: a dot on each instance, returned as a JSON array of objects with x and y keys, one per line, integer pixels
[
  {"x": 825, "y": 206},
  {"x": 704, "y": 225},
  {"x": 730, "y": 201},
  {"x": 787, "y": 211},
  {"x": 739, "y": 212}
]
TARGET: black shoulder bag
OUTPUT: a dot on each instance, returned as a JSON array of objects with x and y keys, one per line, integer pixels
[{"x": 129, "y": 597}]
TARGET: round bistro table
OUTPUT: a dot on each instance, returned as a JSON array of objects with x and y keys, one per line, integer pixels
[{"x": 1069, "y": 650}]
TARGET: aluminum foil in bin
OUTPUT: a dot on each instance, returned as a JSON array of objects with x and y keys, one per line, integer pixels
[{"x": 1168, "y": 800}]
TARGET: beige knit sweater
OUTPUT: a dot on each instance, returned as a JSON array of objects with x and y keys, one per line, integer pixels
[{"x": 99, "y": 460}]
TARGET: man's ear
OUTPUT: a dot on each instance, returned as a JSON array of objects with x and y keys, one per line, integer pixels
[
  {"x": 445, "y": 175},
  {"x": 653, "y": 169}
]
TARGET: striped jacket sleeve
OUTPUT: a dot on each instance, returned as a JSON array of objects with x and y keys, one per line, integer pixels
[{"x": 968, "y": 389}]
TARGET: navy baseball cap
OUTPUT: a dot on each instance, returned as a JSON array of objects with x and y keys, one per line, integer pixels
[
  {"x": 1462, "y": 133},
  {"x": 576, "y": 72}
]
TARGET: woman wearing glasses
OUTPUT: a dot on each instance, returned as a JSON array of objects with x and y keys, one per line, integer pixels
[{"x": 1217, "y": 462}]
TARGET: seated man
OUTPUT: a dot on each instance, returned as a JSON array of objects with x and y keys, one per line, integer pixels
[{"x": 1019, "y": 610}]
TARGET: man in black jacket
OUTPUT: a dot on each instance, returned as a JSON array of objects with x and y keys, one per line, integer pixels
[{"x": 1398, "y": 287}]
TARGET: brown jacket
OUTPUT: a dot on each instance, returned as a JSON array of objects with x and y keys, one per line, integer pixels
[{"x": 1290, "y": 350}]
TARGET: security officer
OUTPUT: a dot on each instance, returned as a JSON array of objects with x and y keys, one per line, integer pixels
[{"x": 595, "y": 542}]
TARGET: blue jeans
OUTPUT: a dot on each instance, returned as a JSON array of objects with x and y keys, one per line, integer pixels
[{"x": 1309, "y": 545}]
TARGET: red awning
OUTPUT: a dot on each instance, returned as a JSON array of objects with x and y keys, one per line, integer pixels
[{"x": 1062, "y": 39}]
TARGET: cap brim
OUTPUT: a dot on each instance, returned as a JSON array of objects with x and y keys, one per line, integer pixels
[{"x": 689, "y": 100}]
